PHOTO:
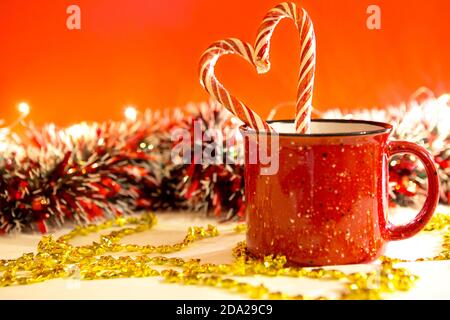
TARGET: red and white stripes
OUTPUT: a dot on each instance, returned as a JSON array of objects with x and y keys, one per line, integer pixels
[
  {"x": 259, "y": 57},
  {"x": 307, "y": 56},
  {"x": 209, "y": 81}
]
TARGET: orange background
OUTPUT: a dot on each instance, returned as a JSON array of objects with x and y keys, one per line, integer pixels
[{"x": 146, "y": 53}]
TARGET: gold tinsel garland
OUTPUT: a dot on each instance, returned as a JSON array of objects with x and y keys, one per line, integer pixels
[{"x": 57, "y": 258}]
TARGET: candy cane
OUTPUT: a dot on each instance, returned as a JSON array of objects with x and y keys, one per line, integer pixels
[
  {"x": 307, "y": 53},
  {"x": 209, "y": 81}
]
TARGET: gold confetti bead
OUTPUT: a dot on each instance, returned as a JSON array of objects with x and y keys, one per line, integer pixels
[
  {"x": 148, "y": 249},
  {"x": 240, "y": 228},
  {"x": 132, "y": 248},
  {"x": 177, "y": 262},
  {"x": 298, "y": 297},
  {"x": 228, "y": 283},
  {"x": 258, "y": 292},
  {"x": 277, "y": 296}
]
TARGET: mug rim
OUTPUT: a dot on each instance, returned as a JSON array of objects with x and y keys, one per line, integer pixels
[{"x": 386, "y": 128}]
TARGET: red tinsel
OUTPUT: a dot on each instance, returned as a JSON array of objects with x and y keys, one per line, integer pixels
[{"x": 91, "y": 171}]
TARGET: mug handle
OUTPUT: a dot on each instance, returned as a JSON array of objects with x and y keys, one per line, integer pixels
[{"x": 393, "y": 232}]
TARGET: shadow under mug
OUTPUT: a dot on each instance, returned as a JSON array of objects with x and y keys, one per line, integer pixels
[{"x": 326, "y": 203}]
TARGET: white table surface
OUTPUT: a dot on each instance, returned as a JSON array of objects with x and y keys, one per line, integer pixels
[{"x": 433, "y": 283}]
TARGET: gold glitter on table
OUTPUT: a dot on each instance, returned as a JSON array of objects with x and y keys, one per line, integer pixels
[{"x": 57, "y": 258}]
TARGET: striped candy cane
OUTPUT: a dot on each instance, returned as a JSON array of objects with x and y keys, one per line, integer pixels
[
  {"x": 209, "y": 81},
  {"x": 307, "y": 54}
]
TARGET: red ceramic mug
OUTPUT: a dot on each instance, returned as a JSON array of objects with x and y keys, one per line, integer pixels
[{"x": 327, "y": 202}]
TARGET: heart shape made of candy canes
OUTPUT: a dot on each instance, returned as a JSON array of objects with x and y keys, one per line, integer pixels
[{"x": 258, "y": 56}]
